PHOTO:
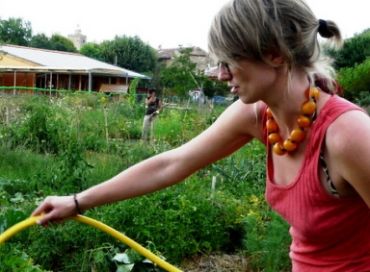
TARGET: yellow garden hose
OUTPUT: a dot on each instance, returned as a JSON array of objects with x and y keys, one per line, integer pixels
[{"x": 99, "y": 225}]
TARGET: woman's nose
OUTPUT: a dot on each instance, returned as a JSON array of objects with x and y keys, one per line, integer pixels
[{"x": 223, "y": 72}]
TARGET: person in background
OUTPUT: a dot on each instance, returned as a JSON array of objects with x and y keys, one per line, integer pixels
[
  {"x": 317, "y": 147},
  {"x": 153, "y": 105}
]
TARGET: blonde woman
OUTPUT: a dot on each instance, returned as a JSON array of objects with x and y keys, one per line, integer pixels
[{"x": 317, "y": 144}]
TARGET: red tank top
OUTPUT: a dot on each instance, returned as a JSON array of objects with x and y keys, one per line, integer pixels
[{"x": 328, "y": 233}]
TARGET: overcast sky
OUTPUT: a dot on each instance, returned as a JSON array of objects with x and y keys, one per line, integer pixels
[{"x": 168, "y": 23}]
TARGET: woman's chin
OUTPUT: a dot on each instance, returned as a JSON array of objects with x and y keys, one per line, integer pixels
[{"x": 246, "y": 99}]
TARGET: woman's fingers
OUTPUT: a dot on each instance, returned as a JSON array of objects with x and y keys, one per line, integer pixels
[
  {"x": 44, "y": 207},
  {"x": 55, "y": 209}
]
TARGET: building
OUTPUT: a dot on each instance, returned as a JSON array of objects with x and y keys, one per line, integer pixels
[
  {"x": 32, "y": 69},
  {"x": 77, "y": 38},
  {"x": 197, "y": 55},
  {"x": 211, "y": 72}
]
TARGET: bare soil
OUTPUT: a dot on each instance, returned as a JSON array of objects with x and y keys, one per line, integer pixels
[{"x": 216, "y": 263}]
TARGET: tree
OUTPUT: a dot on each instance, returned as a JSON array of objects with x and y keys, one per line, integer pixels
[
  {"x": 40, "y": 41},
  {"x": 354, "y": 51},
  {"x": 128, "y": 52},
  {"x": 15, "y": 31},
  {"x": 56, "y": 42},
  {"x": 180, "y": 76},
  {"x": 132, "y": 53},
  {"x": 356, "y": 80},
  {"x": 61, "y": 43},
  {"x": 214, "y": 87},
  {"x": 92, "y": 50}
]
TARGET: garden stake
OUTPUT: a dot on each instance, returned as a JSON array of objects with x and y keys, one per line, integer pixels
[{"x": 99, "y": 225}]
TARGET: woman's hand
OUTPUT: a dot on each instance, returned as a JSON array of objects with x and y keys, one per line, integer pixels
[{"x": 55, "y": 209}]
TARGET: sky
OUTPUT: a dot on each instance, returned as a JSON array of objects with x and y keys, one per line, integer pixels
[{"x": 165, "y": 23}]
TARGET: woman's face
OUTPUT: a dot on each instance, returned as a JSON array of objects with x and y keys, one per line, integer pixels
[{"x": 250, "y": 80}]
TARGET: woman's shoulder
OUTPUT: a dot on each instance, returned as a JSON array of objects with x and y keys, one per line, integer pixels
[
  {"x": 349, "y": 129},
  {"x": 244, "y": 118},
  {"x": 349, "y": 149}
]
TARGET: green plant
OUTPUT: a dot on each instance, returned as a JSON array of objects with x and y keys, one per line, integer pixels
[
  {"x": 188, "y": 219},
  {"x": 130, "y": 260},
  {"x": 267, "y": 240},
  {"x": 14, "y": 260}
]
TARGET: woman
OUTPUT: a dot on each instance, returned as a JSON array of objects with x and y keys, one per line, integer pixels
[
  {"x": 317, "y": 143},
  {"x": 153, "y": 105}
]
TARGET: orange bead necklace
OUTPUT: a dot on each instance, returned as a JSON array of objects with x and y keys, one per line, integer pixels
[{"x": 304, "y": 121}]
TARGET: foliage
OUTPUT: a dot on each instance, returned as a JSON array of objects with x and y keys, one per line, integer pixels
[
  {"x": 214, "y": 87},
  {"x": 354, "y": 51},
  {"x": 92, "y": 50},
  {"x": 132, "y": 53},
  {"x": 56, "y": 42},
  {"x": 15, "y": 31},
  {"x": 356, "y": 81},
  {"x": 132, "y": 91},
  {"x": 187, "y": 219},
  {"x": 60, "y": 43},
  {"x": 14, "y": 260},
  {"x": 129, "y": 52},
  {"x": 180, "y": 76},
  {"x": 269, "y": 254},
  {"x": 34, "y": 130},
  {"x": 40, "y": 41},
  {"x": 19, "y": 32}
]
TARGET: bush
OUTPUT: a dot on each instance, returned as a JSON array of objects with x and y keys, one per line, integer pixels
[{"x": 356, "y": 81}]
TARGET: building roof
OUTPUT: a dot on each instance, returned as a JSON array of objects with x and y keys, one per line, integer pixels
[
  {"x": 169, "y": 53},
  {"x": 211, "y": 72},
  {"x": 63, "y": 61}
]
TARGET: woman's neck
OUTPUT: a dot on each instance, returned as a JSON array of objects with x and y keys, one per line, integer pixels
[{"x": 290, "y": 94}]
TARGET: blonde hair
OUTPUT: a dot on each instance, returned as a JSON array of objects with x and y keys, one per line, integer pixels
[{"x": 253, "y": 28}]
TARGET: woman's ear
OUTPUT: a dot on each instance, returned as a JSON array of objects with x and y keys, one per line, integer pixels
[{"x": 275, "y": 59}]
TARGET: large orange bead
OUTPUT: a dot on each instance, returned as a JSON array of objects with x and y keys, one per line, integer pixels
[
  {"x": 271, "y": 126},
  {"x": 289, "y": 145},
  {"x": 309, "y": 107},
  {"x": 314, "y": 93},
  {"x": 274, "y": 138},
  {"x": 278, "y": 149},
  {"x": 303, "y": 121},
  {"x": 297, "y": 135}
]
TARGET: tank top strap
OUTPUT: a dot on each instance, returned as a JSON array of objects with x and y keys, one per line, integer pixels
[{"x": 333, "y": 108}]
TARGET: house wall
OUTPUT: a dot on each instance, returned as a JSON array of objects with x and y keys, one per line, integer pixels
[
  {"x": 7, "y": 60},
  {"x": 60, "y": 81},
  {"x": 23, "y": 79}
]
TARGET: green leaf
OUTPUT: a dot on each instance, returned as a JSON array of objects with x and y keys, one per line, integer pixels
[
  {"x": 125, "y": 268},
  {"x": 122, "y": 258}
]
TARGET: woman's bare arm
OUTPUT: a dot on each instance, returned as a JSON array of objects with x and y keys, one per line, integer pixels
[
  {"x": 234, "y": 128},
  {"x": 348, "y": 146}
]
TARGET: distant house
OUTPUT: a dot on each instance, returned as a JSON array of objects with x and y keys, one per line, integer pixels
[
  {"x": 197, "y": 55},
  {"x": 39, "y": 68},
  {"x": 211, "y": 72}
]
